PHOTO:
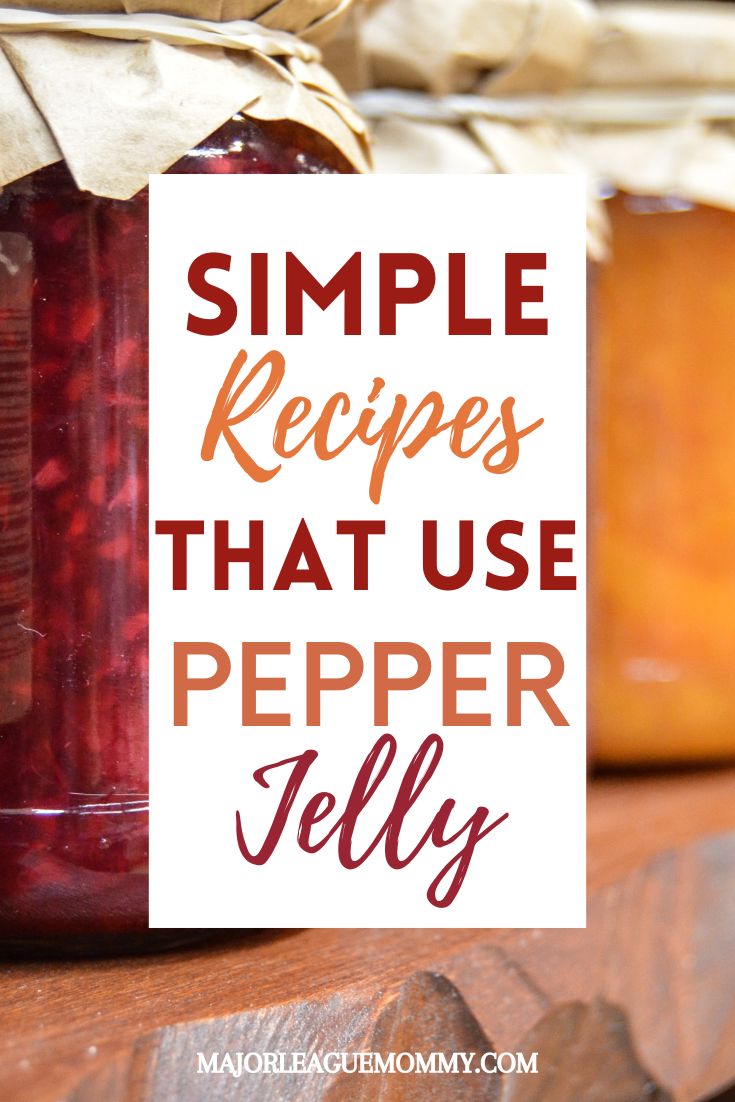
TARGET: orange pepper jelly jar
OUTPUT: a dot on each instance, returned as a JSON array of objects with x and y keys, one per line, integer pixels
[
  {"x": 662, "y": 522},
  {"x": 73, "y": 486},
  {"x": 662, "y": 460}
]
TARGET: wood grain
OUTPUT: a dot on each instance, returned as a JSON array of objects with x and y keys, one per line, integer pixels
[{"x": 640, "y": 1006}]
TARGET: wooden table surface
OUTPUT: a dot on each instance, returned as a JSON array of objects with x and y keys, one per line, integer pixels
[{"x": 641, "y": 1005}]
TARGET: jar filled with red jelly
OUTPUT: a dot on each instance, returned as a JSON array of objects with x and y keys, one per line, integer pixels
[{"x": 74, "y": 526}]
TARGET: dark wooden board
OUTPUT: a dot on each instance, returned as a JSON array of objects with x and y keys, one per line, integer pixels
[{"x": 638, "y": 1007}]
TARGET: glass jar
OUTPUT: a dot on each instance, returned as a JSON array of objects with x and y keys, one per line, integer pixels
[
  {"x": 73, "y": 542},
  {"x": 662, "y": 481}
]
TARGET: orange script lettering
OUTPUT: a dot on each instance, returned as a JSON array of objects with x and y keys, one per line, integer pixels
[{"x": 473, "y": 430}]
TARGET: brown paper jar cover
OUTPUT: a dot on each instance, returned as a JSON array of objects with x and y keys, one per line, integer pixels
[
  {"x": 455, "y": 47},
  {"x": 306, "y": 18},
  {"x": 74, "y": 418},
  {"x": 118, "y": 109},
  {"x": 443, "y": 59}
]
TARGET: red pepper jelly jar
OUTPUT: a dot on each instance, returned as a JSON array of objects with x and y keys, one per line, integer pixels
[{"x": 73, "y": 542}]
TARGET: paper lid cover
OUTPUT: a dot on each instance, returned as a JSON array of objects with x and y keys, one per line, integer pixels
[{"x": 120, "y": 95}]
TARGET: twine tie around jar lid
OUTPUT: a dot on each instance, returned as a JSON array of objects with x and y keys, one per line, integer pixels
[{"x": 175, "y": 30}]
